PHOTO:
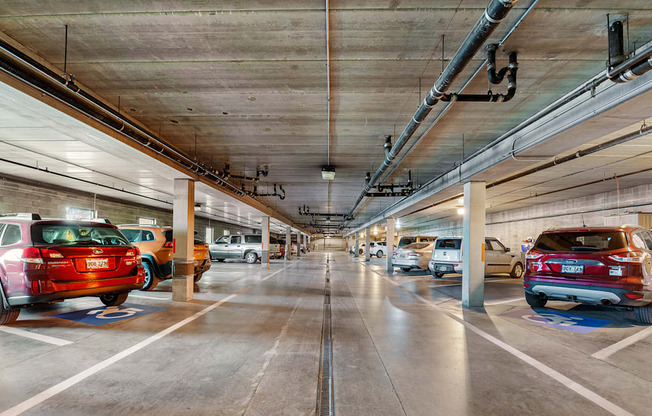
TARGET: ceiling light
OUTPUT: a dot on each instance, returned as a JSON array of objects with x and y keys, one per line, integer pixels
[
  {"x": 328, "y": 173},
  {"x": 460, "y": 211}
]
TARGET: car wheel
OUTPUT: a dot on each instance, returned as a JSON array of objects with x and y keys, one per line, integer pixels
[
  {"x": 150, "y": 280},
  {"x": 438, "y": 274},
  {"x": 251, "y": 257},
  {"x": 7, "y": 313},
  {"x": 361, "y": 251},
  {"x": 643, "y": 314},
  {"x": 114, "y": 299},
  {"x": 517, "y": 271},
  {"x": 379, "y": 253},
  {"x": 221, "y": 260},
  {"x": 535, "y": 301},
  {"x": 198, "y": 277},
  {"x": 406, "y": 269}
]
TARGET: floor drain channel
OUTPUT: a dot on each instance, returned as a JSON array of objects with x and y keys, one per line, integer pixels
[{"x": 325, "y": 391}]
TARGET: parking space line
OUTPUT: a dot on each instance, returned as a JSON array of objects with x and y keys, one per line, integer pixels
[
  {"x": 66, "y": 384},
  {"x": 32, "y": 335},
  {"x": 549, "y": 371},
  {"x": 612, "y": 349},
  {"x": 504, "y": 301}
]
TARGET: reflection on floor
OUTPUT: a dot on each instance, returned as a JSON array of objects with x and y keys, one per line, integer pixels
[{"x": 250, "y": 344}]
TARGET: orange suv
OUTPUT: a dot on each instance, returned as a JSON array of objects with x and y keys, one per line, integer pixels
[{"x": 156, "y": 247}]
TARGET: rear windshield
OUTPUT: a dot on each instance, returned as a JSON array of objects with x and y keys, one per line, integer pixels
[
  {"x": 77, "y": 235},
  {"x": 273, "y": 240},
  {"x": 582, "y": 241},
  {"x": 449, "y": 243},
  {"x": 168, "y": 236},
  {"x": 416, "y": 246},
  {"x": 253, "y": 239}
]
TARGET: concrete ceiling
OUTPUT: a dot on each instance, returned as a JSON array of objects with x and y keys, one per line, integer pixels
[{"x": 246, "y": 81}]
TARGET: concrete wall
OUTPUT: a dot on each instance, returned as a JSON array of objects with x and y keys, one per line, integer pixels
[
  {"x": 328, "y": 244},
  {"x": 513, "y": 226},
  {"x": 51, "y": 202}
]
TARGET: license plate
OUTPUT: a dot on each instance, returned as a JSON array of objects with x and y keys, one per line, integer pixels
[
  {"x": 572, "y": 268},
  {"x": 97, "y": 264},
  {"x": 442, "y": 268}
]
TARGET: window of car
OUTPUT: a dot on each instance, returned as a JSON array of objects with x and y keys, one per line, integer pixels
[
  {"x": 449, "y": 243},
  {"x": 273, "y": 240},
  {"x": 132, "y": 235},
  {"x": 253, "y": 239},
  {"x": 581, "y": 241},
  {"x": 497, "y": 245},
  {"x": 169, "y": 236},
  {"x": 236, "y": 239},
  {"x": 416, "y": 246},
  {"x": 11, "y": 235},
  {"x": 222, "y": 240},
  {"x": 147, "y": 236},
  {"x": 74, "y": 234},
  {"x": 639, "y": 240},
  {"x": 647, "y": 236}
]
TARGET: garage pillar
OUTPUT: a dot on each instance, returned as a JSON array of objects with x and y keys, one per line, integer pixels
[
  {"x": 288, "y": 244},
  {"x": 298, "y": 245},
  {"x": 367, "y": 244},
  {"x": 183, "y": 224},
  {"x": 305, "y": 243},
  {"x": 473, "y": 244},
  {"x": 390, "y": 243},
  {"x": 309, "y": 243},
  {"x": 356, "y": 248},
  {"x": 264, "y": 260}
]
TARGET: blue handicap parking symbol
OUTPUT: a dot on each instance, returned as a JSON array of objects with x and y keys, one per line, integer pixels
[
  {"x": 108, "y": 314},
  {"x": 559, "y": 320}
]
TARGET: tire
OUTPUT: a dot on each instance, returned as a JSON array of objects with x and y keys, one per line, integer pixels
[
  {"x": 251, "y": 257},
  {"x": 114, "y": 299},
  {"x": 7, "y": 313},
  {"x": 221, "y": 260},
  {"x": 643, "y": 314},
  {"x": 150, "y": 279},
  {"x": 406, "y": 269},
  {"x": 535, "y": 301},
  {"x": 438, "y": 274},
  {"x": 379, "y": 253},
  {"x": 361, "y": 251},
  {"x": 517, "y": 271},
  {"x": 198, "y": 277}
]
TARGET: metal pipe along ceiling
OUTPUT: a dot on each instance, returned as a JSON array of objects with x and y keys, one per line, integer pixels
[{"x": 492, "y": 16}]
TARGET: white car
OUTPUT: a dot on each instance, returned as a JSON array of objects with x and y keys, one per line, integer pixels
[
  {"x": 377, "y": 248},
  {"x": 447, "y": 258}
]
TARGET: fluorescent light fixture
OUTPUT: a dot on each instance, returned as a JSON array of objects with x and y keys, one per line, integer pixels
[
  {"x": 460, "y": 211},
  {"x": 328, "y": 173}
]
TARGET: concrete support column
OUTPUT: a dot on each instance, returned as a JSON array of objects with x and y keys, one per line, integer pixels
[
  {"x": 264, "y": 260},
  {"x": 305, "y": 243},
  {"x": 309, "y": 242},
  {"x": 298, "y": 245},
  {"x": 367, "y": 244},
  {"x": 390, "y": 243},
  {"x": 183, "y": 224},
  {"x": 356, "y": 249},
  {"x": 288, "y": 244},
  {"x": 473, "y": 244}
]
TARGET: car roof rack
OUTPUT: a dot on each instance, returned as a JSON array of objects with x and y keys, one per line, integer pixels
[{"x": 22, "y": 215}]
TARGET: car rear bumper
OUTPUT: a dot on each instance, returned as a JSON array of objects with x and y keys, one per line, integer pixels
[
  {"x": 70, "y": 294},
  {"x": 405, "y": 262},
  {"x": 592, "y": 295},
  {"x": 202, "y": 266},
  {"x": 443, "y": 267}
]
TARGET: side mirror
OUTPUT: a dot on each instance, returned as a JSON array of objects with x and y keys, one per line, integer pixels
[{"x": 507, "y": 249}]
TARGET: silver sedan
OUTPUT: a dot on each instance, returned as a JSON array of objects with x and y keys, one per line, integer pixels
[{"x": 415, "y": 255}]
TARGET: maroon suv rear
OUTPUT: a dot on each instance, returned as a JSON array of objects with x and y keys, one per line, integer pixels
[
  {"x": 46, "y": 261},
  {"x": 608, "y": 266}
]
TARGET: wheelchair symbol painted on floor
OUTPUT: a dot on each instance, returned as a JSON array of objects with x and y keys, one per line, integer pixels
[
  {"x": 114, "y": 312},
  {"x": 109, "y": 314},
  {"x": 552, "y": 319},
  {"x": 559, "y": 320}
]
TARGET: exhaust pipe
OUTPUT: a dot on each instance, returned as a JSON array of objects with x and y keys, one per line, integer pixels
[{"x": 605, "y": 302}]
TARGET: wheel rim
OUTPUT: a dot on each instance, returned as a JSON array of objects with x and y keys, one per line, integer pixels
[
  {"x": 148, "y": 277},
  {"x": 251, "y": 258},
  {"x": 379, "y": 254},
  {"x": 518, "y": 270}
]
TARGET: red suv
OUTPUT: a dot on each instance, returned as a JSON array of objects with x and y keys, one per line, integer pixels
[
  {"x": 610, "y": 266},
  {"x": 43, "y": 261}
]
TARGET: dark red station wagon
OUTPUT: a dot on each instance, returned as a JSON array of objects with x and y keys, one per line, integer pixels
[
  {"x": 609, "y": 266},
  {"x": 43, "y": 261}
]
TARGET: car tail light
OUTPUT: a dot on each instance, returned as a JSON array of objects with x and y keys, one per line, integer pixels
[
  {"x": 168, "y": 244},
  {"x": 131, "y": 253},
  {"x": 413, "y": 254},
  {"x": 31, "y": 255},
  {"x": 633, "y": 296},
  {"x": 636, "y": 258},
  {"x": 533, "y": 256},
  {"x": 394, "y": 253},
  {"x": 526, "y": 285}
]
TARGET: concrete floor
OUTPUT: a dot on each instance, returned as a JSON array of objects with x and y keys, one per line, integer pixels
[{"x": 402, "y": 345}]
